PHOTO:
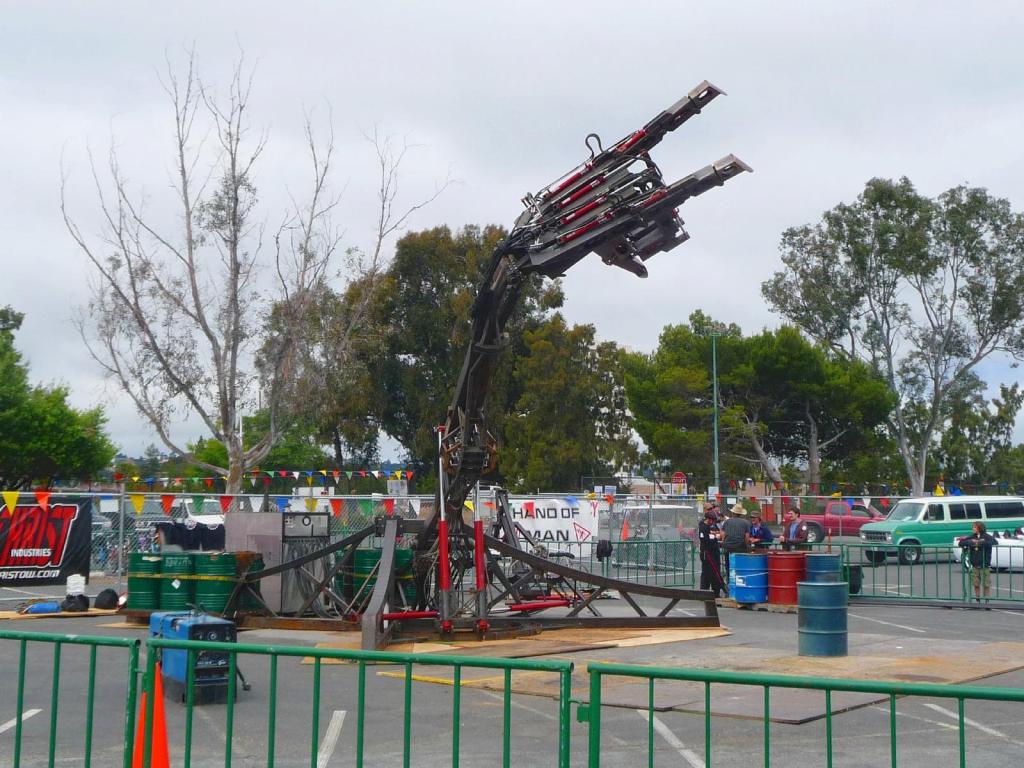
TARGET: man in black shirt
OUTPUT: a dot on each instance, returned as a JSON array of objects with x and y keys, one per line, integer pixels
[{"x": 709, "y": 535}]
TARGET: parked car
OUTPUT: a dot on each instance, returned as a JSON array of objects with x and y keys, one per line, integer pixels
[
  {"x": 934, "y": 521},
  {"x": 840, "y": 518},
  {"x": 1008, "y": 554}
]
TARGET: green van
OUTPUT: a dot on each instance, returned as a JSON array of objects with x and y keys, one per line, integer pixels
[{"x": 936, "y": 521}]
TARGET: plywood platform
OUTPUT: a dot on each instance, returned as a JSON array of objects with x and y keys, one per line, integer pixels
[
  {"x": 873, "y": 657},
  {"x": 555, "y": 642},
  {"x": 92, "y": 612}
]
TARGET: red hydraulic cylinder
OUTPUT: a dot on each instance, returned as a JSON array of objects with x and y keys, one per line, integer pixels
[
  {"x": 539, "y": 605},
  {"x": 479, "y": 558}
]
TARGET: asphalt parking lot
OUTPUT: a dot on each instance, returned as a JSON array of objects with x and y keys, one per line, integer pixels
[{"x": 927, "y": 729}]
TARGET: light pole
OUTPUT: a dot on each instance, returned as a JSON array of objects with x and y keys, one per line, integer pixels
[{"x": 714, "y": 386}]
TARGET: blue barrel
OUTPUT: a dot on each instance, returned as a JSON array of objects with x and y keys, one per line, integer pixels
[
  {"x": 822, "y": 624},
  {"x": 748, "y": 578},
  {"x": 824, "y": 567}
]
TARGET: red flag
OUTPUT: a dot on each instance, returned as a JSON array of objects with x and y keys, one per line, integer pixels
[
  {"x": 389, "y": 507},
  {"x": 336, "y": 507},
  {"x": 225, "y": 502},
  {"x": 266, "y": 480},
  {"x": 43, "y": 499},
  {"x": 609, "y": 498},
  {"x": 167, "y": 501},
  {"x": 208, "y": 481},
  {"x": 335, "y": 474},
  {"x": 528, "y": 508},
  {"x": 283, "y": 472},
  {"x": 625, "y": 531},
  {"x": 408, "y": 475}
]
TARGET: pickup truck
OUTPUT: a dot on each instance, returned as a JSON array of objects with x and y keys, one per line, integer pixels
[{"x": 840, "y": 518}]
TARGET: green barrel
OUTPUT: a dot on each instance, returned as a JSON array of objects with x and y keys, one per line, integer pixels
[
  {"x": 363, "y": 573},
  {"x": 823, "y": 566},
  {"x": 143, "y": 592},
  {"x": 176, "y": 592},
  {"x": 212, "y": 594},
  {"x": 822, "y": 618},
  {"x": 248, "y": 602}
]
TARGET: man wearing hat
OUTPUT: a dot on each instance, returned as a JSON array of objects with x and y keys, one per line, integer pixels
[
  {"x": 735, "y": 532},
  {"x": 760, "y": 535}
]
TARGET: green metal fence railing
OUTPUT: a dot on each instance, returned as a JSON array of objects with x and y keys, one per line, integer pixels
[
  {"x": 562, "y": 669},
  {"x": 598, "y": 671},
  {"x": 58, "y": 642},
  {"x": 269, "y": 710},
  {"x": 928, "y": 573}
]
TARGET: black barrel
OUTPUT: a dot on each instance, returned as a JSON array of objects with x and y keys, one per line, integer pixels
[{"x": 822, "y": 620}]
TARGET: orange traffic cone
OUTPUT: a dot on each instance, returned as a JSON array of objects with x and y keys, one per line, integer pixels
[{"x": 158, "y": 754}]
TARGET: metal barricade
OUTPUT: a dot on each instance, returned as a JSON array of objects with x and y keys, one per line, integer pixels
[
  {"x": 93, "y": 644},
  {"x": 563, "y": 670},
  {"x": 598, "y": 671}
]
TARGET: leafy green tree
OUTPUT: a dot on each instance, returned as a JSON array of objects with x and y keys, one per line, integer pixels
[
  {"x": 923, "y": 290},
  {"x": 669, "y": 394},
  {"x": 297, "y": 448},
  {"x": 423, "y": 313},
  {"x": 813, "y": 404},
  {"x": 974, "y": 449},
  {"x": 567, "y": 420},
  {"x": 42, "y": 438},
  {"x": 781, "y": 399}
]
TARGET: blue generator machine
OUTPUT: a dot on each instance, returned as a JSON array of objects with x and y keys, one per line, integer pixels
[{"x": 211, "y": 668}]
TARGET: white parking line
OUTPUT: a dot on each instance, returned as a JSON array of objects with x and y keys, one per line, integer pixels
[
  {"x": 947, "y": 726},
  {"x": 889, "y": 623},
  {"x": 673, "y": 740},
  {"x": 14, "y": 721},
  {"x": 323, "y": 755},
  {"x": 972, "y": 723}
]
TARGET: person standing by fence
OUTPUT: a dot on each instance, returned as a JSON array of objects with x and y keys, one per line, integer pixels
[
  {"x": 794, "y": 531},
  {"x": 735, "y": 531},
  {"x": 760, "y": 534},
  {"x": 979, "y": 551},
  {"x": 709, "y": 535}
]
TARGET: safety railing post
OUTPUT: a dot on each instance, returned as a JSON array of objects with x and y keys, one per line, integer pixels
[
  {"x": 21, "y": 703},
  {"x": 564, "y": 713},
  {"x": 148, "y": 687},
  {"x": 594, "y": 719},
  {"x": 129, "y": 707}
]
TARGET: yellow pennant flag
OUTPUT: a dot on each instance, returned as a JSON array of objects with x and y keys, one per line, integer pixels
[
  {"x": 137, "y": 500},
  {"x": 468, "y": 505},
  {"x": 311, "y": 504},
  {"x": 10, "y": 500}
]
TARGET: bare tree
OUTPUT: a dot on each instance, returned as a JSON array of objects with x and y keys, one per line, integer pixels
[{"x": 173, "y": 318}]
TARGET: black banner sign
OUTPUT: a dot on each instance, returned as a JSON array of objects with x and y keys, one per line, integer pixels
[{"x": 45, "y": 545}]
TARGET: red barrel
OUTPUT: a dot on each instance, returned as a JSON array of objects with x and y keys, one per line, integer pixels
[{"x": 785, "y": 569}]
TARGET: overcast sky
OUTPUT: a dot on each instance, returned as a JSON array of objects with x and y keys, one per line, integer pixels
[{"x": 821, "y": 97}]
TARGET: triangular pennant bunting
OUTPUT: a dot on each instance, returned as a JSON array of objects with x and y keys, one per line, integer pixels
[
  {"x": 167, "y": 501},
  {"x": 138, "y": 501},
  {"x": 43, "y": 499},
  {"x": 10, "y": 500}
]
